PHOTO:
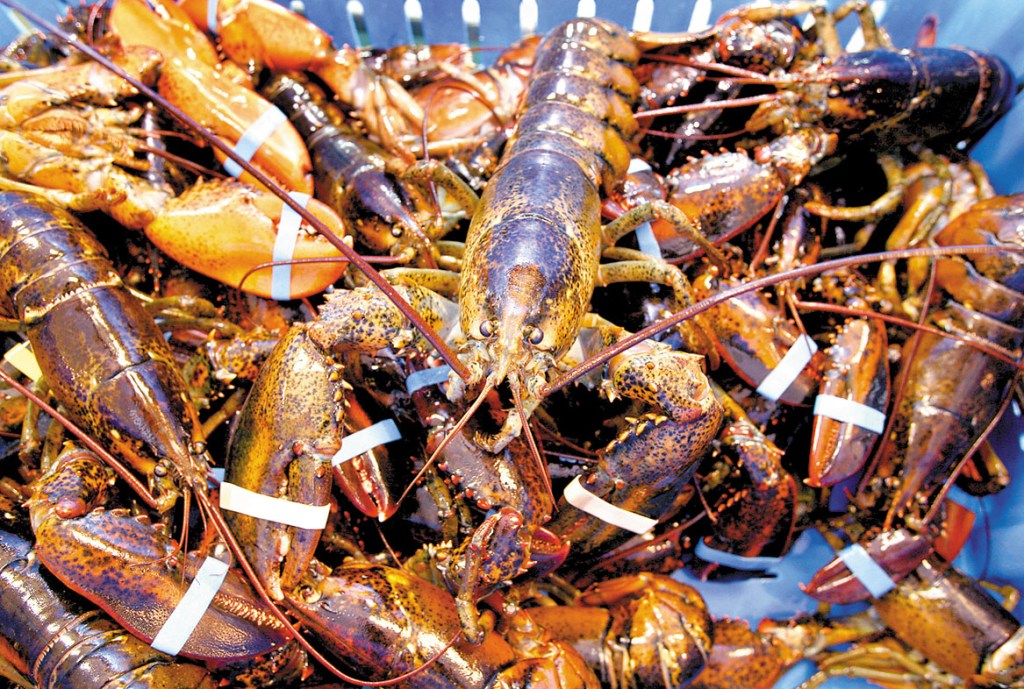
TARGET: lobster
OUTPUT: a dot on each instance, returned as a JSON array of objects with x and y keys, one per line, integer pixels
[
  {"x": 751, "y": 498},
  {"x": 972, "y": 636},
  {"x": 45, "y": 248},
  {"x": 889, "y": 97},
  {"x": 520, "y": 320},
  {"x": 260, "y": 33},
  {"x": 642, "y": 631},
  {"x": 162, "y": 441},
  {"x": 993, "y": 314}
]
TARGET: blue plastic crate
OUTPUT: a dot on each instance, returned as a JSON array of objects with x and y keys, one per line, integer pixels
[{"x": 993, "y": 551}]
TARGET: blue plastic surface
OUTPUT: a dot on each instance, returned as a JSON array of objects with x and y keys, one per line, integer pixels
[{"x": 994, "y": 550}]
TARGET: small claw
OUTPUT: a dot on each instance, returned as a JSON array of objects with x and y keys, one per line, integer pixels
[
  {"x": 497, "y": 442},
  {"x": 897, "y": 552},
  {"x": 547, "y": 552}
]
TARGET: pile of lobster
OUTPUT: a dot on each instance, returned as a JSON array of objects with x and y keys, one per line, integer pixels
[{"x": 235, "y": 454}]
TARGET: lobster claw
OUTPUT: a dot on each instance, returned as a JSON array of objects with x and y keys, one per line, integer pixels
[
  {"x": 258, "y": 33},
  {"x": 171, "y": 31},
  {"x": 898, "y": 552},
  {"x": 547, "y": 552},
  {"x": 230, "y": 111},
  {"x": 224, "y": 229},
  {"x": 856, "y": 371},
  {"x": 126, "y": 566},
  {"x": 366, "y": 478}
]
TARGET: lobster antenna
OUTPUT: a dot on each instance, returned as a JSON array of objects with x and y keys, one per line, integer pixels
[
  {"x": 446, "y": 353},
  {"x": 696, "y": 107},
  {"x": 180, "y": 161},
  {"x": 992, "y": 350},
  {"x": 693, "y": 137},
  {"x": 751, "y": 286}
]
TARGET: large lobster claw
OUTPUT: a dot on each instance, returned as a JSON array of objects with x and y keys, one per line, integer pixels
[
  {"x": 128, "y": 567},
  {"x": 224, "y": 229}
]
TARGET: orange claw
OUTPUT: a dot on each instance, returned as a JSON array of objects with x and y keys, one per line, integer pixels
[
  {"x": 163, "y": 26},
  {"x": 193, "y": 79},
  {"x": 263, "y": 33},
  {"x": 223, "y": 229},
  {"x": 231, "y": 112}
]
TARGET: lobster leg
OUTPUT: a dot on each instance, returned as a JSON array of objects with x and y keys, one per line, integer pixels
[{"x": 644, "y": 631}]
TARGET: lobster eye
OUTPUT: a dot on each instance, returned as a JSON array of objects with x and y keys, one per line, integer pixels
[
  {"x": 533, "y": 335},
  {"x": 487, "y": 328},
  {"x": 396, "y": 232}
]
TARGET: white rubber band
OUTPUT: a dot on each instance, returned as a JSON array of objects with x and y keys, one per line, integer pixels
[
  {"x": 370, "y": 437},
  {"x": 576, "y": 353},
  {"x": 579, "y": 497},
  {"x": 637, "y": 165},
  {"x": 20, "y": 356},
  {"x": 700, "y": 17},
  {"x": 284, "y": 248},
  {"x": 875, "y": 579},
  {"x": 646, "y": 241},
  {"x": 417, "y": 380},
  {"x": 191, "y": 608},
  {"x": 754, "y": 563},
  {"x": 252, "y": 504},
  {"x": 849, "y": 411},
  {"x": 254, "y": 137},
  {"x": 778, "y": 381},
  {"x": 211, "y": 15}
]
